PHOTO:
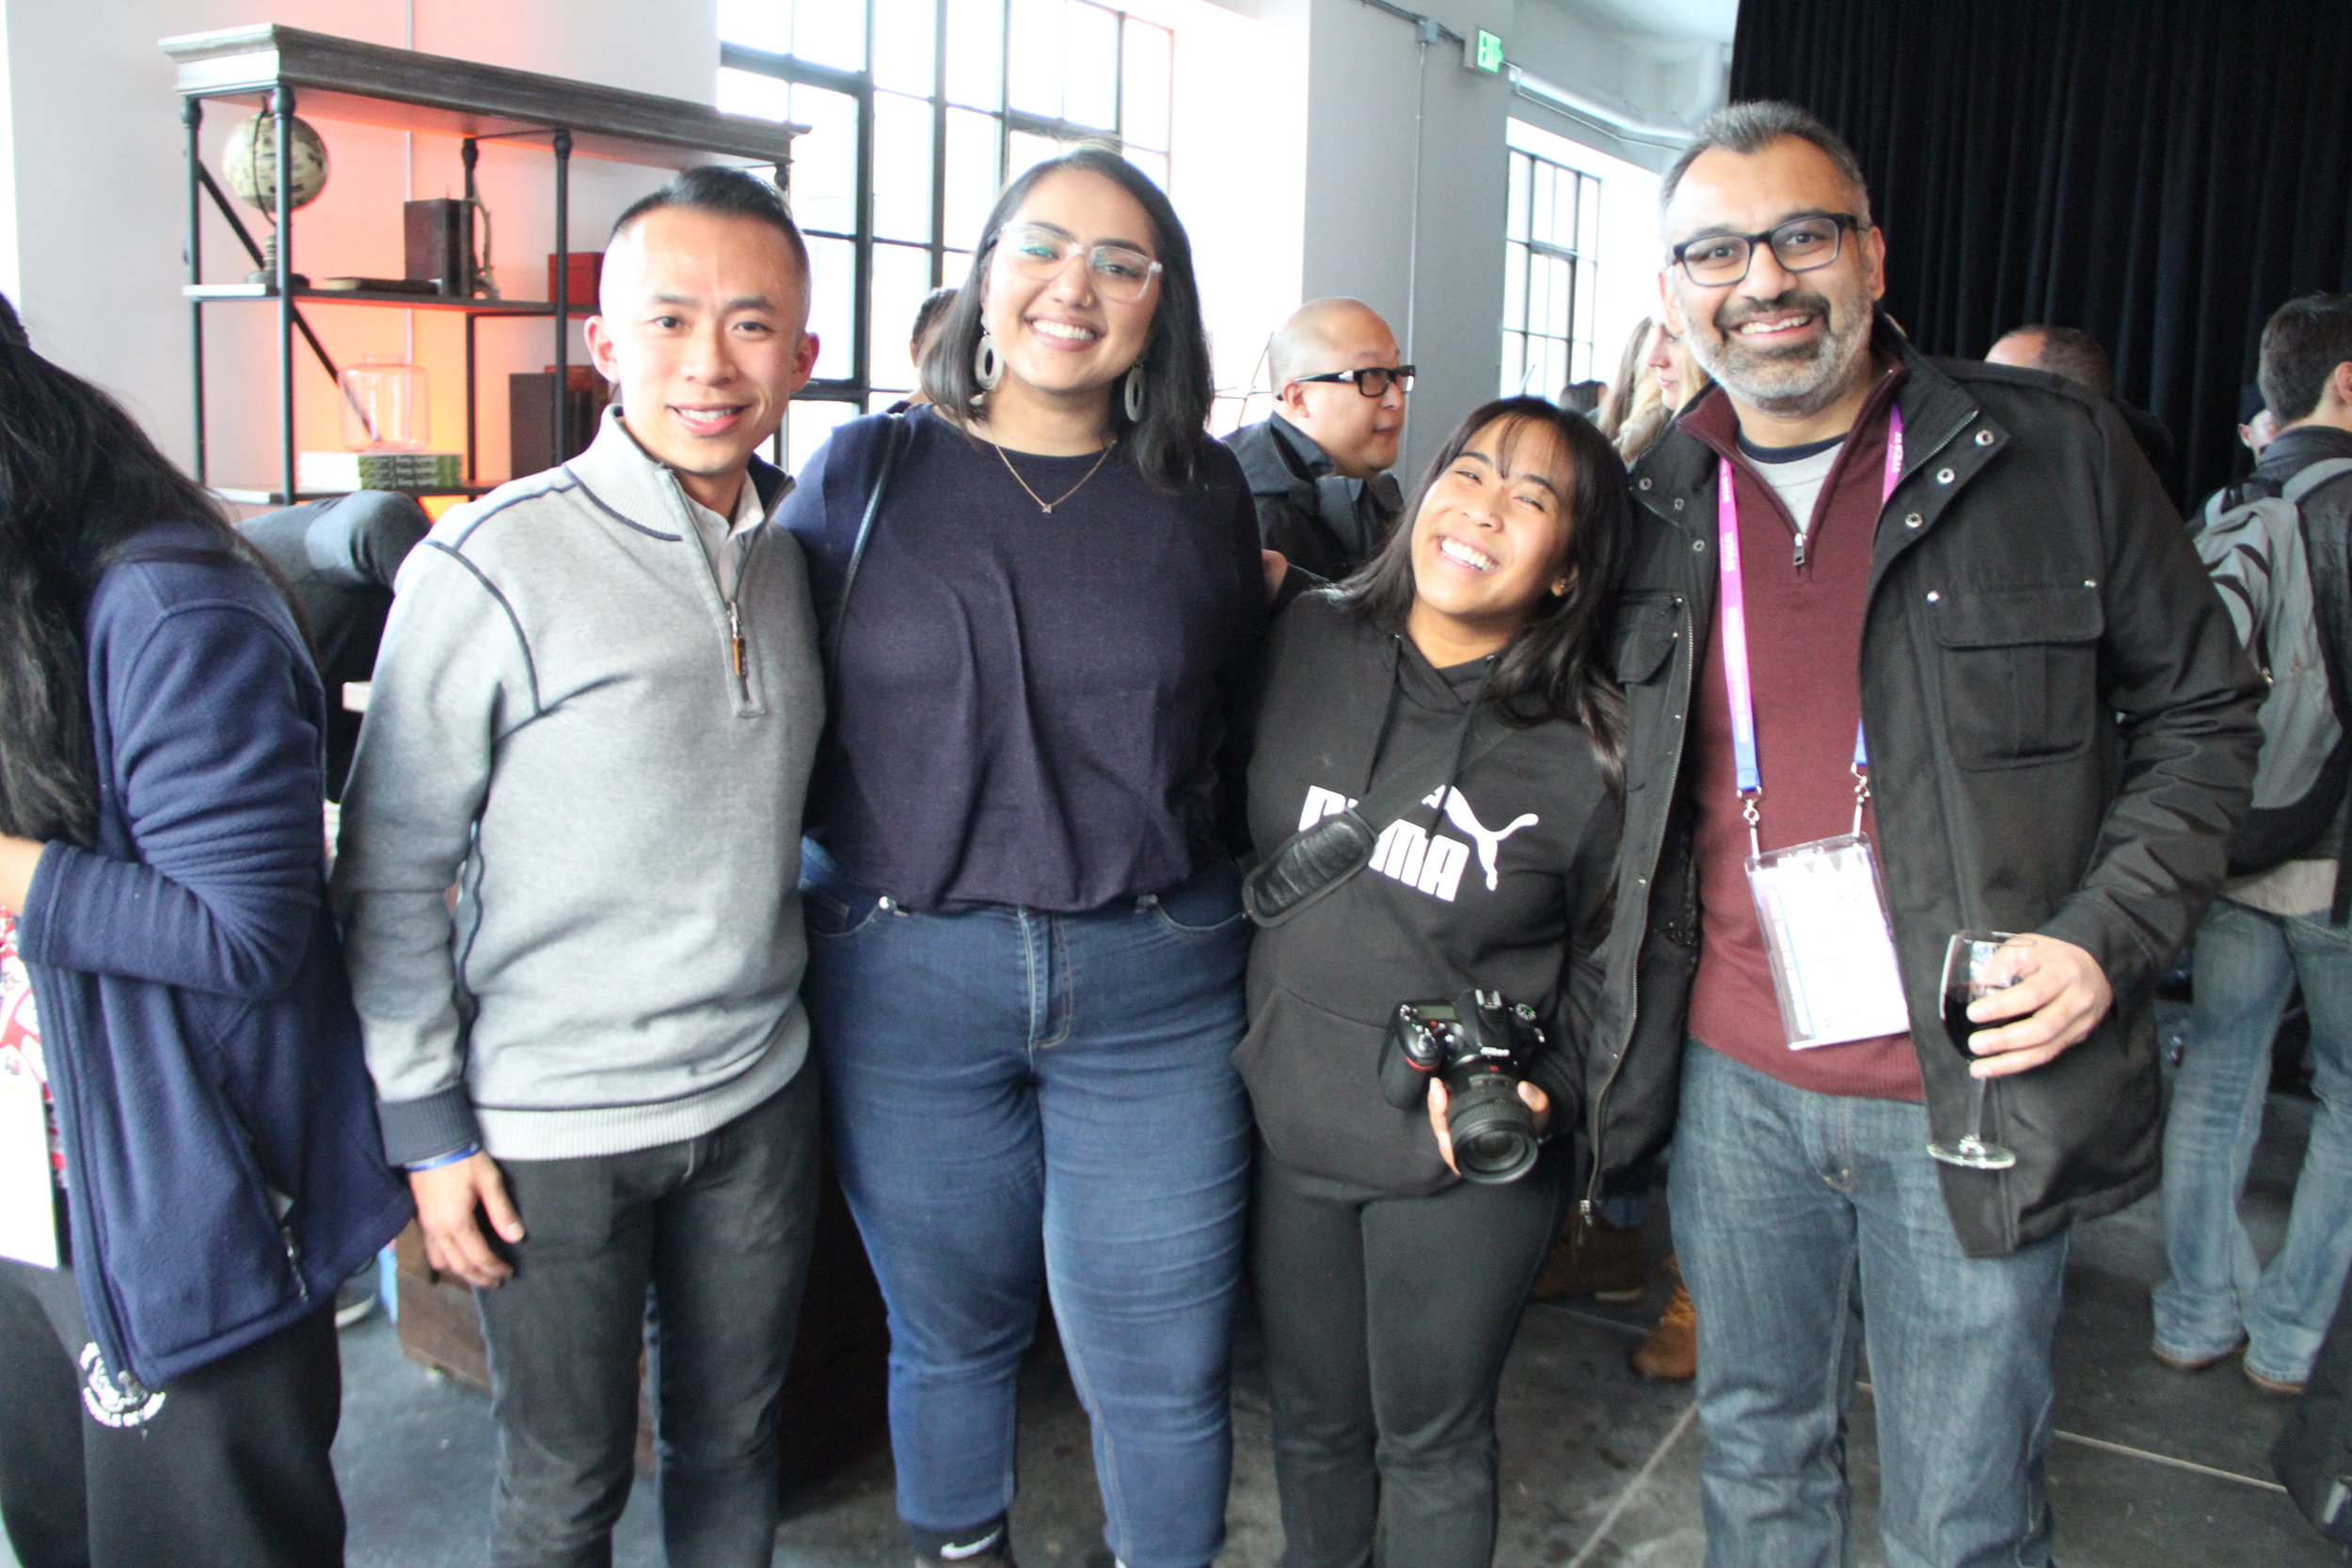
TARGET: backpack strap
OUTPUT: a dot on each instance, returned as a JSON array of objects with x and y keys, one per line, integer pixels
[{"x": 891, "y": 437}]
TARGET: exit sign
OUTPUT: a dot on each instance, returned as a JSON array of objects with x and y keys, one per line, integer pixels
[{"x": 1484, "y": 51}]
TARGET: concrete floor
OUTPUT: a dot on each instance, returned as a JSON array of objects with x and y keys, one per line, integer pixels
[{"x": 1599, "y": 1467}]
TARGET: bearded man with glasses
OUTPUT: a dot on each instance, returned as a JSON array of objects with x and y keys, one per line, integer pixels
[
  {"x": 1909, "y": 647},
  {"x": 1318, "y": 465}
]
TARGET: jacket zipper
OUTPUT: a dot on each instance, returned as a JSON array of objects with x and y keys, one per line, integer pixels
[
  {"x": 739, "y": 665},
  {"x": 1591, "y": 1199}
]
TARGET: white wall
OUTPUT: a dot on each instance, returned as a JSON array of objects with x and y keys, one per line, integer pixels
[
  {"x": 10, "y": 281},
  {"x": 1378, "y": 110},
  {"x": 98, "y": 185}
]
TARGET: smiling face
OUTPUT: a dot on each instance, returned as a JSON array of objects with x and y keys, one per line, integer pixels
[
  {"x": 1490, "y": 541},
  {"x": 699, "y": 327},
  {"x": 1060, "y": 340},
  {"x": 1789, "y": 344}
]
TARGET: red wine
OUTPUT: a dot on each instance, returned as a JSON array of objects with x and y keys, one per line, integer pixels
[{"x": 1957, "y": 1025}]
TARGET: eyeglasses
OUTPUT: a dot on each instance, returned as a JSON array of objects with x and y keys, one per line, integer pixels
[
  {"x": 1801, "y": 244},
  {"x": 1373, "y": 380},
  {"x": 1117, "y": 272}
]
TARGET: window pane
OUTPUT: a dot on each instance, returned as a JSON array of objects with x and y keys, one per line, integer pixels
[
  {"x": 748, "y": 92},
  {"x": 1557, "y": 297},
  {"x": 1089, "y": 66},
  {"x": 1143, "y": 117},
  {"x": 832, "y": 288},
  {"x": 1514, "y": 352},
  {"x": 1152, "y": 164},
  {"x": 972, "y": 178},
  {"x": 902, "y": 168},
  {"x": 1514, "y": 216},
  {"x": 976, "y": 43},
  {"x": 902, "y": 276},
  {"x": 761, "y": 23},
  {"x": 825, "y": 161},
  {"x": 954, "y": 267},
  {"x": 1514, "y": 285},
  {"x": 1033, "y": 72},
  {"x": 806, "y": 423},
  {"x": 829, "y": 32},
  {"x": 905, "y": 33},
  {"x": 1024, "y": 148}
]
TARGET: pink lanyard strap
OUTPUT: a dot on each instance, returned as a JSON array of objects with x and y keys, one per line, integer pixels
[{"x": 1732, "y": 615}]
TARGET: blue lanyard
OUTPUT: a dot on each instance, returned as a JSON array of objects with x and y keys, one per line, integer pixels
[{"x": 1732, "y": 615}]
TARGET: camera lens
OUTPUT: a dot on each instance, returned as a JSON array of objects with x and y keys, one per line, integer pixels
[{"x": 1493, "y": 1131}]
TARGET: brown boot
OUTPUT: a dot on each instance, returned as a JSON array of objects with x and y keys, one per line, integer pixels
[
  {"x": 1671, "y": 1354},
  {"x": 1597, "y": 1260}
]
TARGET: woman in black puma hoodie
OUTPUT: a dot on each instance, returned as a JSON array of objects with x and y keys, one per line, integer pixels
[{"x": 1388, "y": 1286}]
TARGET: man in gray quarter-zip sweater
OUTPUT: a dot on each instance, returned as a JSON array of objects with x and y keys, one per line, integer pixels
[{"x": 594, "y": 716}]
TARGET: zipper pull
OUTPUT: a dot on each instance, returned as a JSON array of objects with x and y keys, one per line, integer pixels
[
  {"x": 1800, "y": 549},
  {"x": 735, "y": 648}
]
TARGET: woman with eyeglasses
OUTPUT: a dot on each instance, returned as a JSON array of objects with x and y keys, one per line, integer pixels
[
  {"x": 1025, "y": 943},
  {"x": 1450, "y": 698}
]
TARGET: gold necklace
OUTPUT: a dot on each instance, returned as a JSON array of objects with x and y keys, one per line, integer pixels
[{"x": 1042, "y": 504}]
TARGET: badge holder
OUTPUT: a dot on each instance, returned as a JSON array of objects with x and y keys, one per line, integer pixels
[{"x": 1821, "y": 907}]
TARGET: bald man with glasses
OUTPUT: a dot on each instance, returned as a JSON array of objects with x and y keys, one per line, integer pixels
[{"x": 1318, "y": 465}]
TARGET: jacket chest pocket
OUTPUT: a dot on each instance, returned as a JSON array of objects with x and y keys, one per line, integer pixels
[
  {"x": 2020, "y": 671},
  {"x": 1645, "y": 635}
]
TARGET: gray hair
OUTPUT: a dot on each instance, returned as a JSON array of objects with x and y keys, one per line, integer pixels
[{"x": 1750, "y": 128}]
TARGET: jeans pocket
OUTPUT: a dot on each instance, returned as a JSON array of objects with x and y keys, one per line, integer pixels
[{"x": 1205, "y": 908}]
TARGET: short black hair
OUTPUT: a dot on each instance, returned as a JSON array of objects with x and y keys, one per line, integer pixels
[
  {"x": 2302, "y": 345},
  {"x": 729, "y": 192},
  {"x": 927, "y": 314},
  {"x": 2073, "y": 355},
  {"x": 1749, "y": 129},
  {"x": 11, "y": 329},
  {"x": 1583, "y": 397}
]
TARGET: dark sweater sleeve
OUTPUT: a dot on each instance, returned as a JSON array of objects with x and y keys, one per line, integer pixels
[
  {"x": 1561, "y": 1072},
  {"x": 217, "y": 757}
]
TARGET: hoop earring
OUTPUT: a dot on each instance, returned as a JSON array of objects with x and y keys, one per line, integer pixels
[
  {"x": 988, "y": 366},
  {"x": 1133, "y": 395}
]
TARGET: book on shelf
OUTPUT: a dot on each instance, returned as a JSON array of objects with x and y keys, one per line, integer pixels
[{"x": 333, "y": 471}]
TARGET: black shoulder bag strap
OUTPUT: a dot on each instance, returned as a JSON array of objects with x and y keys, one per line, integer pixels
[
  {"x": 892, "y": 435},
  {"x": 1320, "y": 857}
]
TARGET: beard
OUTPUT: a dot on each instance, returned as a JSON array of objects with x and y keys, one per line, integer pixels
[{"x": 1790, "y": 380}]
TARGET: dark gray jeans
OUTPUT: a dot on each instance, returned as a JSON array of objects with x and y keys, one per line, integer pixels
[{"x": 719, "y": 1227}]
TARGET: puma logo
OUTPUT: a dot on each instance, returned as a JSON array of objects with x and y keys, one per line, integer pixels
[{"x": 1489, "y": 841}]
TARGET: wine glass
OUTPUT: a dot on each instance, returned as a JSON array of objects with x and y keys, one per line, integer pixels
[{"x": 1970, "y": 971}]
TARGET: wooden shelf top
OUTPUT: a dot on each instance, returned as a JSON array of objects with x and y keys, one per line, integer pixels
[
  {"x": 334, "y": 78},
  {"x": 213, "y": 293}
]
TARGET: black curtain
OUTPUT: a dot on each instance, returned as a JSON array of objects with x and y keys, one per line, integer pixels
[{"x": 2160, "y": 173}]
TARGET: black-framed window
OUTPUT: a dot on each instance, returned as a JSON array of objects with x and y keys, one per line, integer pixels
[
  {"x": 1552, "y": 245},
  {"x": 918, "y": 110}
]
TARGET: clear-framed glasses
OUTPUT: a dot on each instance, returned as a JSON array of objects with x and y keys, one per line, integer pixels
[
  {"x": 1117, "y": 272},
  {"x": 1801, "y": 244},
  {"x": 1373, "y": 380}
]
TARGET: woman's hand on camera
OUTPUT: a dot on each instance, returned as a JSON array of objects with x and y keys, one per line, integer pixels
[{"x": 1539, "y": 1103}]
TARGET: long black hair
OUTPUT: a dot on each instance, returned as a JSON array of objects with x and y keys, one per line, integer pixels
[
  {"x": 78, "y": 477},
  {"x": 1552, "y": 668},
  {"x": 1169, "y": 441}
]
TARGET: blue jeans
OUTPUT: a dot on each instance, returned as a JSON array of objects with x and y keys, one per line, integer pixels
[
  {"x": 1809, "y": 1226},
  {"x": 2216, "y": 1290},
  {"x": 1022, "y": 1102}
]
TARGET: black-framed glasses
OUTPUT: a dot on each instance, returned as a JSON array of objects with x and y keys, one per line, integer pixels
[
  {"x": 1117, "y": 272},
  {"x": 1373, "y": 380},
  {"x": 1800, "y": 244}
]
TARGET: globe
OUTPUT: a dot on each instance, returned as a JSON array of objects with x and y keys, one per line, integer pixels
[{"x": 250, "y": 163}]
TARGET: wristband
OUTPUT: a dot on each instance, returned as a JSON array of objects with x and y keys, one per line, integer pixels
[{"x": 467, "y": 1152}]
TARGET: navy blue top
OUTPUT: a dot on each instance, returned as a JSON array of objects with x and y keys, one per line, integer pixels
[
  {"x": 1028, "y": 707},
  {"x": 220, "y": 1138}
]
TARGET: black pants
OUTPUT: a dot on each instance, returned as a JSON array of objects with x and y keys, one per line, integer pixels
[
  {"x": 225, "y": 1468},
  {"x": 1386, "y": 1319},
  {"x": 719, "y": 1226}
]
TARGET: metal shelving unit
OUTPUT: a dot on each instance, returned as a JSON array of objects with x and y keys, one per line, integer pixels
[{"x": 340, "y": 79}]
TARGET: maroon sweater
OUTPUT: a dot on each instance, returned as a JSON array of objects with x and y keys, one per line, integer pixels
[{"x": 1805, "y": 655}]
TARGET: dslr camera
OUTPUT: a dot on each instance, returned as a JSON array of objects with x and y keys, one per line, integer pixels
[{"x": 1482, "y": 1046}]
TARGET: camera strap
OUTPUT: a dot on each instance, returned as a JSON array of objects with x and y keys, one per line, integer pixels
[{"x": 1319, "y": 858}]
